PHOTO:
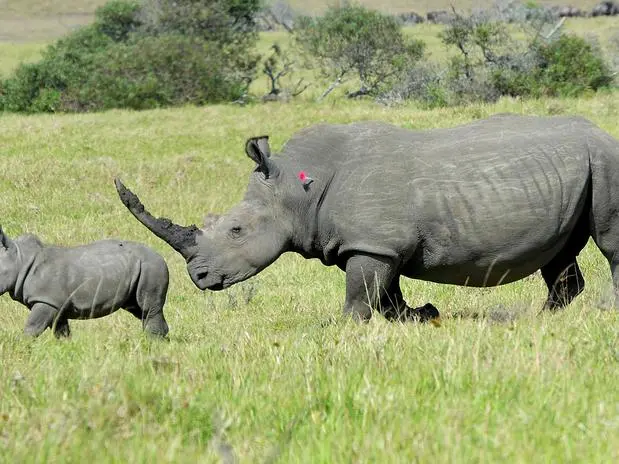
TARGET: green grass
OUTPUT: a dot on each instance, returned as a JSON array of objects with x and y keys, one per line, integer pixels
[
  {"x": 11, "y": 56},
  {"x": 268, "y": 370}
]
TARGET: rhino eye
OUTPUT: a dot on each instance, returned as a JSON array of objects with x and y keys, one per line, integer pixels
[{"x": 235, "y": 231}]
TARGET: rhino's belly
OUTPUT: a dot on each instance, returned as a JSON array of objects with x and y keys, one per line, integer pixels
[
  {"x": 485, "y": 260},
  {"x": 97, "y": 298},
  {"x": 487, "y": 232},
  {"x": 485, "y": 272}
]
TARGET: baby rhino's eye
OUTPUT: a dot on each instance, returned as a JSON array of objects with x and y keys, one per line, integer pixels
[{"x": 235, "y": 231}]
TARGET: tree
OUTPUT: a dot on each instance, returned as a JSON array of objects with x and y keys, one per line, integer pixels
[
  {"x": 353, "y": 41},
  {"x": 141, "y": 55}
]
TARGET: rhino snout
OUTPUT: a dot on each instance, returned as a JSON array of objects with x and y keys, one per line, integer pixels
[
  {"x": 203, "y": 279},
  {"x": 199, "y": 278}
]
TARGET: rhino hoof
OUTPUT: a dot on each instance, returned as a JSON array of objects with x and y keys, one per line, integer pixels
[{"x": 427, "y": 312}]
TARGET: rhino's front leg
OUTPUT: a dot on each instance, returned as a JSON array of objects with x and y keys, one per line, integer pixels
[
  {"x": 41, "y": 317},
  {"x": 394, "y": 308},
  {"x": 367, "y": 279},
  {"x": 61, "y": 328}
]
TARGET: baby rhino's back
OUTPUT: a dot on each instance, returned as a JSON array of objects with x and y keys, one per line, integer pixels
[{"x": 94, "y": 280}]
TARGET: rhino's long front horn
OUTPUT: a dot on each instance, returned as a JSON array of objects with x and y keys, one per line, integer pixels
[{"x": 181, "y": 238}]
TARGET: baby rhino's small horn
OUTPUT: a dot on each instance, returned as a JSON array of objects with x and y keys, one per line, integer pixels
[{"x": 181, "y": 238}]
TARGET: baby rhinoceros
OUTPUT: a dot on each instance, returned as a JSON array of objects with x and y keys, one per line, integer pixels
[{"x": 83, "y": 282}]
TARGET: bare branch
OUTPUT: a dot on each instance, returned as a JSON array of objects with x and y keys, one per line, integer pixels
[
  {"x": 556, "y": 28},
  {"x": 333, "y": 85}
]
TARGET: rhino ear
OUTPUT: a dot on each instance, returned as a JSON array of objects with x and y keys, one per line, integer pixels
[
  {"x": 5, "y": 241},
  {"x": 257, "y": 148}
]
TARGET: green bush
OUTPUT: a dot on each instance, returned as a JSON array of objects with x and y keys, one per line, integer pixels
[
  {"x": 157, "y": 53},
  {"x": 570, "y": 66},
  {"x": 152, "y": 72},
  {"x": 565, "y": 67},
  {"x": 64, "y": 65},
  {"x": 22, "y": 89},
  {"x": 353, "y": 41},
  {"x": 117, "y": 19},
  {"x": 490, "y": 63},
  {"x": 224, "y": 21}
]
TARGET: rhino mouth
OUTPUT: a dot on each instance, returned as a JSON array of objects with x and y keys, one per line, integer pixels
[
  {"x": 216, "y": 287},
  {"x": 214, "y": 281},
  {"x": 204, "y": 280}
]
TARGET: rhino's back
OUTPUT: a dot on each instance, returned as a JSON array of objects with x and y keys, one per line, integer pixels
[
  {"x": 375, "y": 144},
  {"x": 489, "y": 192}
]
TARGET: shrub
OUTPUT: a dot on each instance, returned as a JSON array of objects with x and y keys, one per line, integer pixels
[
  {"x": 570, "y": 66},
  {"x": 423, "y": 83},
  {"x": 143, "y": 55},
  {"x": 227, "y": 22},
  {"x": 117, "y": 19},
  {"x": 64, "y": 65},
  {"x": 354, "y": 41},
  {"x": 153, "y": 72},
  {"x": 279, "y": 69},
  {"x": 491, "y": 63}
]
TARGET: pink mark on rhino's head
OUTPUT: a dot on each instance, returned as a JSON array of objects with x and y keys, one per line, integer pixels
[{"x": 305, "y": 179}]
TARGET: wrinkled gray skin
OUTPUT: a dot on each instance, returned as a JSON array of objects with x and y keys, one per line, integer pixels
[
  {"x": 83, "y": 282},
  {"x": 482, "y": 204}
]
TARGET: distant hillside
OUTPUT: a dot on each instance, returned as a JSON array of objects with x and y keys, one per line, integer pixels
[
  {"x": 423, "y": 6},
  {"x": 38, "y": 8}
]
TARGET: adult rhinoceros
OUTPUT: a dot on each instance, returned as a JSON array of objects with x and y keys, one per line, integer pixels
[{"x": 482, "y": 204}]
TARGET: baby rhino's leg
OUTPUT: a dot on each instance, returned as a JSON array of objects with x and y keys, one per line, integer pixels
[
  {"x": 41, "y": 317},
  {"x": 150, "y": 296}
]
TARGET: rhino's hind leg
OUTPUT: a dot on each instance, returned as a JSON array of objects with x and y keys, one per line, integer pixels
[
  {"x": 562, "y": 274},
  {"x": 40, "y": 318},
  {"x": 150, "y": 298},
  {"x": 152, "y": 320},
  {"x": 564, "y": 281},
  {"x": 155, "y": 323}
]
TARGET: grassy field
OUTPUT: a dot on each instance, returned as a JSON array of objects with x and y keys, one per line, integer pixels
[{"x": 268, "y": 370}]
